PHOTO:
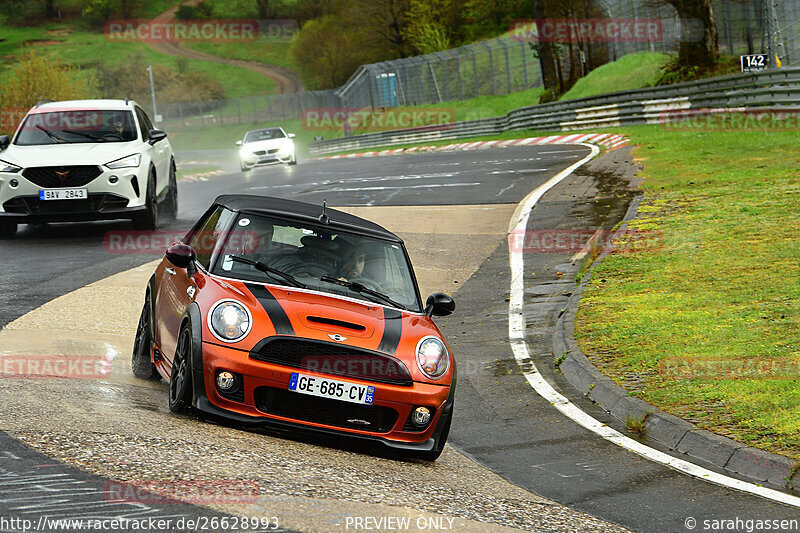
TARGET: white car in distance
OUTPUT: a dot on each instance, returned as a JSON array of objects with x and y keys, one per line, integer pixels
[{"x": 265, "y": 147}]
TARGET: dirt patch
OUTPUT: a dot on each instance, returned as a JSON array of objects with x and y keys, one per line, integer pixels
[
  {"x": 41, "y": 42},
  {"x": 60, "y": 32}
]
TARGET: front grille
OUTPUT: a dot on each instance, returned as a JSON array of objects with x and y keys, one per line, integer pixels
[
  {"x": 274, "y": 151},
  {"x": 69, "y": 176},
  {"x": 260, "y": 152},
  {"x": 96, "y": 203},
  {"x": 334, "y": 359},
  {"x": 326, "y": 411}
]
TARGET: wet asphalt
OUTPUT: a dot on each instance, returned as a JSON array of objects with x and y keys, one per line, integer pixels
[{"x": 499, "y": 420}]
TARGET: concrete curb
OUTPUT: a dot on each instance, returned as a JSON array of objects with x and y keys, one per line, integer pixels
[{"x": 670, "y": 431}]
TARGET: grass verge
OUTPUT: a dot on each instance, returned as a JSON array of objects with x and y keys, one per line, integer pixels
[
  {"x": 633, "y": 71},
  {"x": 706, "y": 324}
]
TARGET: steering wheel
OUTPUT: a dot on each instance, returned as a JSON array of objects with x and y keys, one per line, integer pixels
[{"x": 117, "y": 135}]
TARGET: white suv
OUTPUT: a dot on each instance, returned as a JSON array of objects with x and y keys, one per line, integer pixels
[{"x": 86, "y": 160}]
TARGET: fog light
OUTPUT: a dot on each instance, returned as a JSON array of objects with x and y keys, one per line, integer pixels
[
  {"x": 225, "y": 381},
  {"x": 13, "y": 183},
  {"x": 421, "y": 416},
  {"x": 113, "y": 179}
]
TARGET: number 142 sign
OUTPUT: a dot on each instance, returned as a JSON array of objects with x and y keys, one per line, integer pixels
[{"x": 755, "y": 62}]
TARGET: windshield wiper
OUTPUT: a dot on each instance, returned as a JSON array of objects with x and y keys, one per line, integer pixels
[
  {"x": 51, "y": 135},
  {"x": 87, "y": 135},
  {"x": 272, "y": 272},
  {"x": 361, "y": 289}
]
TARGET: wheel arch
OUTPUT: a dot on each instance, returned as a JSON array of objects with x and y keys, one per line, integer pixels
[{"x": 194, "y": 317}]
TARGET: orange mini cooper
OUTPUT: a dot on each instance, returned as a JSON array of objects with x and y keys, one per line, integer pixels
[{"x": 283, "y": 313}]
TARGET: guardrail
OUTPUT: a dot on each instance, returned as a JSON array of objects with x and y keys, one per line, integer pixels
[{"x": 773, "y": 87}]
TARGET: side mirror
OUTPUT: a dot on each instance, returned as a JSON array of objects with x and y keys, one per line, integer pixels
[
  {"x": 439, "y": 304},
  {"x": 238, "y": 143},
  {"x": 182, "y": 256},
  {"x": 4, "y": 142},
  {"x": 157, "y": 135},
  {"x": 291, "y": 135}
]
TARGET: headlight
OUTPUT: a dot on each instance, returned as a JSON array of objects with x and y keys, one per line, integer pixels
[
  {"x": 230, "y": 321},
  {"x": 5, "y": 166},
  {"x": 129, "y": 161},
  {"x": 432, "y": 357}
]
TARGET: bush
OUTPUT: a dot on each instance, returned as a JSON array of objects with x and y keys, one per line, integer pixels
[{"x": 37, "y": 78}]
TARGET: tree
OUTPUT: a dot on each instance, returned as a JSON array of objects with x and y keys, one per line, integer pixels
[
  {"x": 263, "y": 9},
  {"x": 697, "y": 52}
]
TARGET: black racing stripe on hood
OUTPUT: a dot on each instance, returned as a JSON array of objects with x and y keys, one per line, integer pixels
[
  {"x": 278, "y": 317},
  {"x": 392, "y": 330}
]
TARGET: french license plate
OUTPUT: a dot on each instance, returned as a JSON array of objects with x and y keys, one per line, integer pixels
[
  {"x": 331, "y": 388},
  {"x": 266, "y": 158},
  {"x": 63, "y": 194}
]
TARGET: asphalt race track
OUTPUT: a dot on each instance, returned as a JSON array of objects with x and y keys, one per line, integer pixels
[{"x": 500, "y": 422}]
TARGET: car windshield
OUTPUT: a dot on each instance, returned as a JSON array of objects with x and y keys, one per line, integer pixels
[
  {"x": 76, "y": 126},
  {"x": 263, "y": 135},
  {"x": 294, "y": 254}
]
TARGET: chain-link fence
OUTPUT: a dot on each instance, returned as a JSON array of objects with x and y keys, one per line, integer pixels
[{"x": 510, "y": 64}]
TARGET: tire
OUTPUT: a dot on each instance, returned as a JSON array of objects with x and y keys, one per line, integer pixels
[
  {"x": 149, "y": 219},
  {"x": 141, "y": 360},
  {"x": 171, "y": 210},
  {"x": 293, "y": 160},
  {"x": 180, "y": 389},
  {"x": 8, "y": 230},
  {"x": 439, "y": 447},
  {"x": 244, "y": 167}
]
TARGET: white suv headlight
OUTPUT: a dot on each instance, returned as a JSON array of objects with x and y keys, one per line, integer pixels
[
  {"x": 5, "y": 166},
  {"x": 432, "y": 357},
  {"x": 230, "y": 321},
  {"x": 129, "y": 161}
]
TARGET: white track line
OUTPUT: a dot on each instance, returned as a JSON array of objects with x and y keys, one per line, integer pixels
[{"x": 516, "y": 334}]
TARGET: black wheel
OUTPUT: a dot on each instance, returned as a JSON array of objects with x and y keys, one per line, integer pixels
[
  {"x": 172, "y": 194},
  {"x": 439, "y": 446},
  {"x": 180, "y": 377},
  {"x": 149, "y": 219},
  {"x": 141, "y": 361},
  {"x": 244, "y": 167},
  {"x": 7, "y": 229},
  {"x": 293, "y": 160}
]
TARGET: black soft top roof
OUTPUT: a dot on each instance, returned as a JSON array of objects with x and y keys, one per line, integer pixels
[{"x": 303, "y": 212}]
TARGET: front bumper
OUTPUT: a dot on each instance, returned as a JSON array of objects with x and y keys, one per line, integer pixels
[
  {"x": 259, "y": 376},
  {"x": 106, "y": 200},
  {"x": 252, "y": 160}
]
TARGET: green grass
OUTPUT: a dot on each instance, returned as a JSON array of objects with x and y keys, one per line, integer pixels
[
  {"x": 270, "y": 52},
  {"x": 723, "y": 284},
  {"x": 632, "y": 71},
  {"x": 81, "y": 48}
]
